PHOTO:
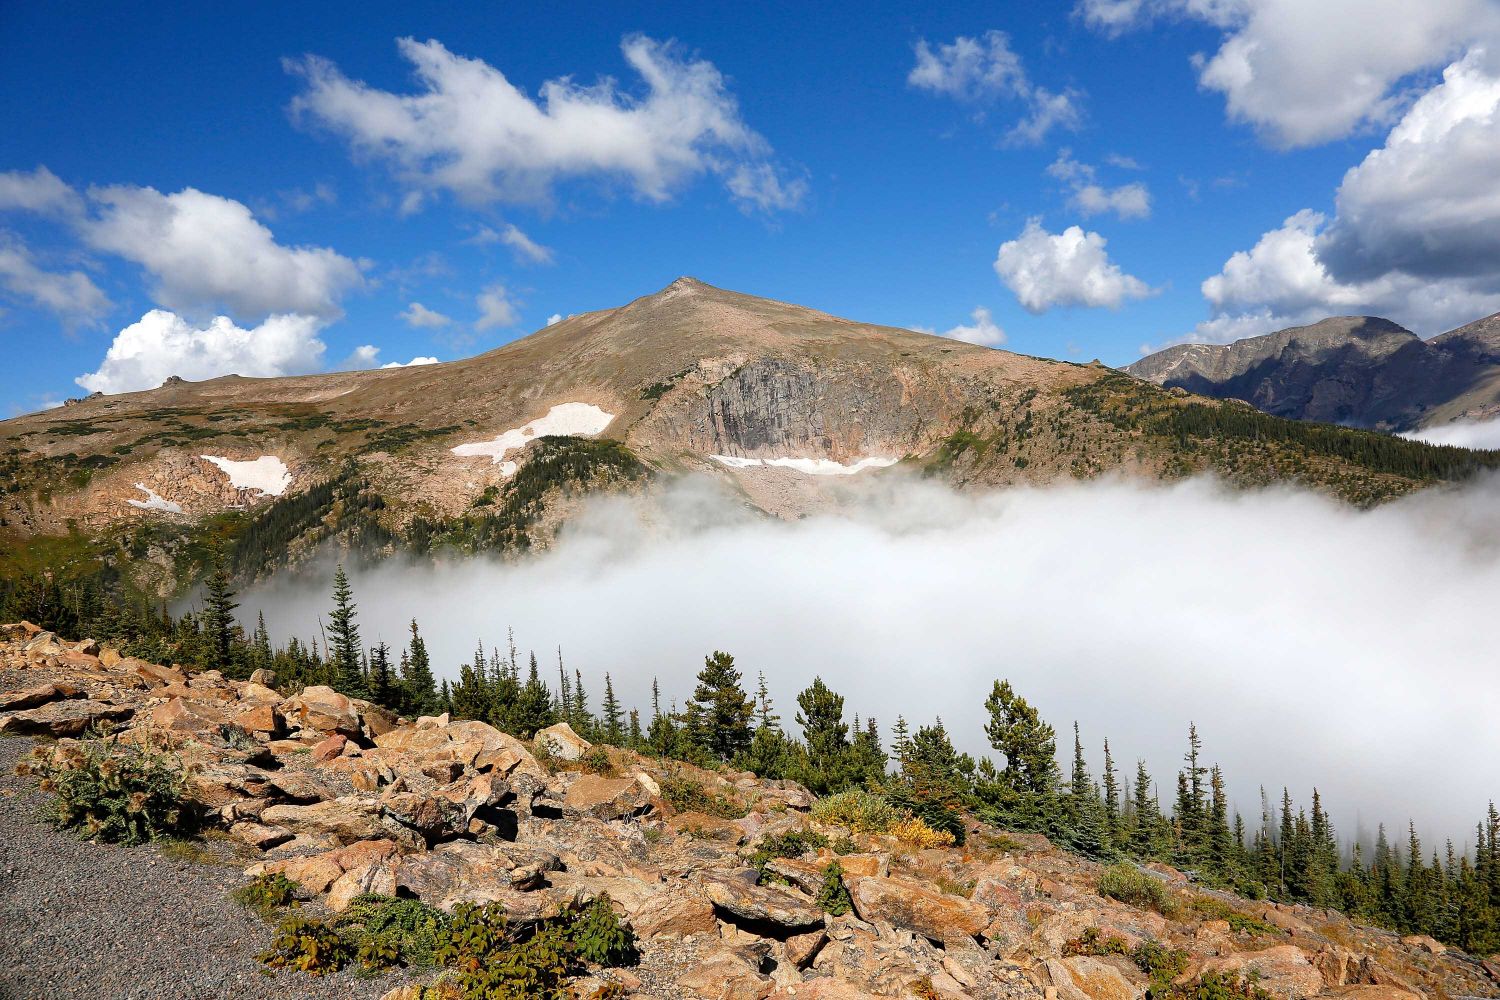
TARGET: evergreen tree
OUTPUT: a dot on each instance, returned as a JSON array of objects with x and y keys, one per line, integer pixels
[
  {"x": 1146, "y": 839},
  {"x": 534, "y": 705},
  {"x": 218, "y": 614},
  {"x": 1026, "y": 794},
  {"x": 1111, "y": 798},
  {"x": 613, "y": 719},
  {"x": 1086, "y": 822},
  {"x": 765, "y": 714},
  {"x": 661, "y": 734},
  {"x": 344, "y": 645},
  {"x": 419, "y": 694},
  {"x": 382, "y": 683},
  {"x": 580, "y": 718},
  {"x": 724, "y": 710},
  {"x": 826, "y": 736}
]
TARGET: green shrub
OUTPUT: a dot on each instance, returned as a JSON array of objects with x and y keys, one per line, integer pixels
[
  {"x": 1213, "y": 986},
  {"x": 599, "y": 938},
  {"x": 597, "y": 761},
  {"x": 391, "y": 932},
  {"x": 1093, "y": 942},
  {"x": 1239, "y": 921},
  {"x": 117, "y": 794},
  {"x": 1160, "y": 963},
  {"x": 687, "y": 795},
  {"x": 536, "y": 969},
  {"x": 306, "y": 945},
  {"x": 267, "y": 893},
  {"x": 1128, "y": 884},
  {"x": 833, "y": 895},
  {"x": 792, "y": 844},
  {"x": 861, "y": 811}
]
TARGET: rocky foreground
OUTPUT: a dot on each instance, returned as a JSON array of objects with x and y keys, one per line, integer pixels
[{"x": 343, "y": 798}]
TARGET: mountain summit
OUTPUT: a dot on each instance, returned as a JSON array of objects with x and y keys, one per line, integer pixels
[
  {"x": 783, "y": 404},
  {"x": 1360, "y": 370}
]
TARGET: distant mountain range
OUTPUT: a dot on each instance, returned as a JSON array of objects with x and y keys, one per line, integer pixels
[
  {"x": 1361, "y": 371},
  {"x": 784, "y": 406}
]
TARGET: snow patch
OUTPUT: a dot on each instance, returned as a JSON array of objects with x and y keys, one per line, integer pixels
[
  {"x": 154, "y": 501},
  {"x": 562, "y": 419},
  {"x": 268, "y": 474},
  {"x": 810, "y": 466}
]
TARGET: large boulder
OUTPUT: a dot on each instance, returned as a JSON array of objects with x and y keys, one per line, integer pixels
[
  {"x": 432, "y": 817},
  {"x": 739, "y": 897},
  {"x": 724, "y": 975},
  {"x": 1085, "y": 977},
  {"x": 908, "y": 904},
  {"x": 33, "y": 697},
  {"x": 324, "y": 709},
  {"x": 346, "y": 819},
  {"x": 679, "y": 912},
  {"x": 183, "y": 716},
  {"x": 61, "y": 719},
  {"x": 563, "y": 742},
  {"x": 607, "y": 798},
  {"x": 1283, "y": 971}
]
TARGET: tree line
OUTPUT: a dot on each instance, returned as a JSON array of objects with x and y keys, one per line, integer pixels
[{"x": 1288, "y": 852}]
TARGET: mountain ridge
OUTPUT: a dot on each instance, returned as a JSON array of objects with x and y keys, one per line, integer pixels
[{"x": 1364, "y": 371}]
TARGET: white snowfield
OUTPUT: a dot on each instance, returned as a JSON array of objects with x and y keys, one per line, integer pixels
[
  {"x": 154, "y": 502},
  {"x": 268, "y": 474},
  {"x": 563, "y": 419},
  {"x": 810, "y": 466}
]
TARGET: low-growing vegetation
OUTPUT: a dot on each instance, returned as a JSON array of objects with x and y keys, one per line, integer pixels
[
  {"x": 1128, "y": 884},
  {"x": 114, "y": 793}
]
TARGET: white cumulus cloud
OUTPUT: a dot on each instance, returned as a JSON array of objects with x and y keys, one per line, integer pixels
[
  {"x": 986, "y": 68},
  {"x": 495, "y": 309},
  {"x": 1070, "y": 268},
  {"x": 40, "y": 191},
  {"x": 72, "y": 295},
  {"x": 205, "y": 252},
  {"x": 1089, "y": 197},
  {"x": 471, "y": 131},
  {"x": 418, "y": 315},
  {"x": 1306, "y": 73},
  {"x": 162, "y": 344},
  {"x": 984, "y": 331},
  {"x": 413, "y": 363}
]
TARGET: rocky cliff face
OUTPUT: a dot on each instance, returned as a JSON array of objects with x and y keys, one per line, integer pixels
[
  {"x": 1359, "y": 370},
  {"x": 342, "y": 799}
]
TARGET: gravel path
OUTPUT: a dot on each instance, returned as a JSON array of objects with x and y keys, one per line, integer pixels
[{"x": 98, "y": 922}]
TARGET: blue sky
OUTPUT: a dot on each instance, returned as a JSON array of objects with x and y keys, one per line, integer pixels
[{"x": 874, "y": 161}]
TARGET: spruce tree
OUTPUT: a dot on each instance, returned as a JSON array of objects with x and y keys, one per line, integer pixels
[
  {"x": 613, "y": 720},
  {"x": 382, "y": 684},
  {"x": 1111, "y": 798},
  {"x": 218, "y": 613},
  {"x": 1026, "y": 796},
  {"x": 1086, "y": 834},
  {"x": 534, "y": 706},
  {"x": 419, "y": 687},
  {"x": 724, "y": 710},
  {"x": 826, "y": 735},
  {"x": 344, "y": 645}
]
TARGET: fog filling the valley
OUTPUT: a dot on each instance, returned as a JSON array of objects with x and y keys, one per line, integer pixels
[{"x": 1312, "y": 643}]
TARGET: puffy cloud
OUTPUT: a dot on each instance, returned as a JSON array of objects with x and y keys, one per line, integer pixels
[
  {"x": 413, "y": 363},
  {"x": 982, "y": 69},
  {"x": 984, "y": 331},
  {"x": 1070, "y": 268},
  {"x": 362, "y": 357},
  {"x": 495, "y": 309},
  {"x": 970, "y": 68},
  {"x": 554, "y": 319},
  {"x": 1306, "y": 73},
  {"x": 72, "y": 295},
  {"x": 1088, "y": 196},
  {"x": 40, "y": 191},
  {"x": 418, "y": 315},
  {"x": 162, "y": 344},
  {"x": 471, "y": 131},
  {"x": 207, "y": 252},
  {"x": 1426, "y": 202},
  {"x": 1414, "y": 238}
]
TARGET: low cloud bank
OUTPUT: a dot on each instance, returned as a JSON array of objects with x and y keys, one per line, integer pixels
[
  {"x": 1461, "y": 433},
  {"x": 1313, "y": 644}
]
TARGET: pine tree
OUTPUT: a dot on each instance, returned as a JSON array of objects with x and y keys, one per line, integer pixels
[
  {"x": 581, "y": 719},
  {"x": 613, "y": 719},
  {"x": 534, "y": 706},
  {"x": 344, "y": 644},
  {"x": 765, "y": 715},
  {"x": 419, "y": 688},
  {"x": 1086, "y": 834},
  {"x": 661, "y": 734},
  {"x": 724, "y": 710},
  {"x": 1111, "y": 798},
  {"x": 382, "y": 683},
  {"x": 1026, "y": 794},
  {"x": 218, "y": 613},
  {"x": 1145, "y": 841},
  {"x": 826, "y": 735}
]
